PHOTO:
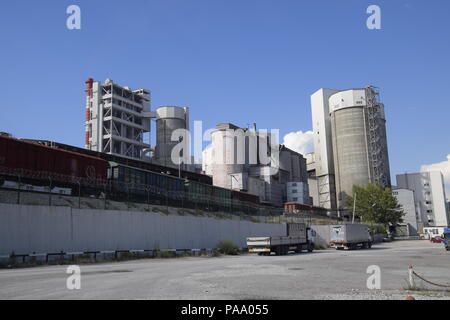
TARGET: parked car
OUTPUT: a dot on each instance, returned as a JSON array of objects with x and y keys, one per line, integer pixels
[{"x": 437, "y": 240}]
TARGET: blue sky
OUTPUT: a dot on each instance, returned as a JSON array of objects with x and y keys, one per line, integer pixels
[{"x": 239, "y": 61}]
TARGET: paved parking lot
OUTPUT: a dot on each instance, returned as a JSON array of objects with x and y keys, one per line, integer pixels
[{"x": 324, "y": 274}]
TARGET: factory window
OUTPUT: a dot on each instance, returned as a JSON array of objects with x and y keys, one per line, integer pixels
[
  {"x": 294, "y": 191},
  {"x": 294, "y": 184},
  {"x": 294, "y": 199}
]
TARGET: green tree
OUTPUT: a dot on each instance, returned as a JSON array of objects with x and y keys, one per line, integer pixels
[{"x": 374, "y": 204}]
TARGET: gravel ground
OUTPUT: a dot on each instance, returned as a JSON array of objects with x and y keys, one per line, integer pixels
[{"x": 325, "y": 274}]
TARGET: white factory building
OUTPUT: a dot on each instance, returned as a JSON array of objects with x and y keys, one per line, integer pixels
[
  {"x": 350, "y": 144},
  {"x": 234, "y": 161},
  {"x": 117, "y": 118},
  {"x": 411, "y": 226},
  {"x": 429, "y": 198}
]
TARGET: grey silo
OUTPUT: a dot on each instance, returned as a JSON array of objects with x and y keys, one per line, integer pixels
[
  {"x": 359, "y": 140},
  {"x": 168, "y": 120}
]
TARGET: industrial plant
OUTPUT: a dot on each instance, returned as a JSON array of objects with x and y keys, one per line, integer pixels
[
  {"x": 248, "y": 184},
  {"x": 225, "y": 154}
]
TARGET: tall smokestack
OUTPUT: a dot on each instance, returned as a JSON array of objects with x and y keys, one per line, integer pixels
[{"x": 89, "y": 83}]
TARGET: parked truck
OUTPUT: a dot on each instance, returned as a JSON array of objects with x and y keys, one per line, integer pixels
[
  {"x": 350, "y": 236},
  {"x": 298, "y": 238}
]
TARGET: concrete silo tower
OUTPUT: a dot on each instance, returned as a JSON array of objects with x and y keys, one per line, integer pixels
[
  {"x": 359, "y": 141},
  {"x": 168, "y": 120},
  {"x": 350, "y": 144},
  {"x": 226, "y": 161}
]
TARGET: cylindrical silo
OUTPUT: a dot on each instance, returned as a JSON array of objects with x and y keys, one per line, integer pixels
[
  {"x": 169, "y": 119},
  {"x": 350, "y": 141},
  {"x": 226, "y": 159}
]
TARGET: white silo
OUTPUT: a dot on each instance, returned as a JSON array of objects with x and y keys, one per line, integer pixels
[{"x": 227, "y": 162}]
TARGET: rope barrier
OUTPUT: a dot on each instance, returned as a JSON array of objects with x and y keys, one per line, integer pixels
[
  {"x": 432, "y": 283},
  {"x": 413, "y": 273}
]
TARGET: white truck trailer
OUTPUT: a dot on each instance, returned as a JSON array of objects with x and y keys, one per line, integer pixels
[
  {"x": 350, "y": 236},
  {"x": 298, "y": 238}
]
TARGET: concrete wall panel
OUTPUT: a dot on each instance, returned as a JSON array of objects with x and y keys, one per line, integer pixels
[{"x": 43, "y": 229}]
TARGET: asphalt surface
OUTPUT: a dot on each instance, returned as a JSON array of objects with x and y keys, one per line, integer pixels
[{"x": 324, "y": 274}]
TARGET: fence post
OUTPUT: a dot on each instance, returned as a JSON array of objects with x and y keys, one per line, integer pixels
[
  {"x": 167, "y": 200},
  {"x": 411, "y": 278},
  {"x": 79, "y": 194},
  {"x": 18, "y": 189},
  {"x": 50, "y": 192},
  {"x": 128, "y": 196},
  {"x": 182, "y": 200},
  {"x": 106, "y": 193},
  {"x": 147, "y": 189}
]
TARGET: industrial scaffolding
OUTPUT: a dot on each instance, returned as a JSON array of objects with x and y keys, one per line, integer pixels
[{"x": 377, "y": 147}]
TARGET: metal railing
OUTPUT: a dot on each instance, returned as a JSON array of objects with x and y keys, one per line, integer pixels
[{"x": 52, "y": 185}]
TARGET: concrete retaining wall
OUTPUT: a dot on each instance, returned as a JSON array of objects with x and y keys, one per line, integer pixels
[{"x": 44, "y": 229}]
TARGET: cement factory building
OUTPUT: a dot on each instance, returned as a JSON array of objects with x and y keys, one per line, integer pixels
[
  {"x": 117, "y": 118},
  {"x": 349, "y": 140},
  {"x": 428, "y": 196},
  {"x": 235, "y": 162},
  {"x": 350, "y": 144}
]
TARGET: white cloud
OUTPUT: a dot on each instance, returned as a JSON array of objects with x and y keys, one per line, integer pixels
[
  {"x": 444, "y": 167},
  {"x": 301, "y": 142}
]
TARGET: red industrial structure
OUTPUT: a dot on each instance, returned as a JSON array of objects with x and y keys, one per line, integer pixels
[{"x": 31, "y": 157}]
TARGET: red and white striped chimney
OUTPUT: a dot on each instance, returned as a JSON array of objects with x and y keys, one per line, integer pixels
[{"x": 89, "y": 83}]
